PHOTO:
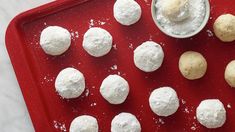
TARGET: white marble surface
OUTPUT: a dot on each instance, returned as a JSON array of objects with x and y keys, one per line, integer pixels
[{"x": 14, "y": 116}]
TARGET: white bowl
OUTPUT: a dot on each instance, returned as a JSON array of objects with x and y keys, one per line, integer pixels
[{"x": 207, "y": 15}]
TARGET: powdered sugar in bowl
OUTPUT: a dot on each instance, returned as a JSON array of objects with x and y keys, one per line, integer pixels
[{"x": 180, "y": 18}]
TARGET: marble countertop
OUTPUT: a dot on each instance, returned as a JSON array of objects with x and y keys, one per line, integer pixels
[{"x": 14, "y": 116}]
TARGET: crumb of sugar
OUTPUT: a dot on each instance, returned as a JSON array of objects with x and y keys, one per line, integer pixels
[
  {"x": 115, "y": 46},
  {"x": 209, "y": 33},
  {"x": 93, "y": 104},
  {"x": 130, "y": 46},
  {"x": 91, "y": 23},
  {"x": 87, "y": 92},
  {"x": 59, "y": 126},
  {"x": 183, "y": 101},
  {"x": 114, "y": 67},
  {"x": 229, "y": 106}
]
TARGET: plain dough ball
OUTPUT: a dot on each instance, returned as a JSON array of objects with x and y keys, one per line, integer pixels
[
  {"x": 211, "y": 113},
  {"x": 97, "y": 42},
  {"x": 70, "y": 83},
  {"x": 164, "y": 101},
  {"x": 149, "y": 56},
  {"x": 224, "y": 28},
  {"x": 125, "y": 122},
  {"x": 84, "y": 123},
  {"x": 192, "y": 65},
  {"x": 55, "y": 40},
  {"x": 127, "y": 12},
  {"x": 114, "y": 89},
  {"x": 229, "y": 74},
  {"x": 176, "y": 10}
]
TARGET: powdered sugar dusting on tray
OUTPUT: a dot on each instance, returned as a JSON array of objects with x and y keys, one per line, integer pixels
[
  {"x": 93, "y": 22},
  {"x": 59, "y": 126}
]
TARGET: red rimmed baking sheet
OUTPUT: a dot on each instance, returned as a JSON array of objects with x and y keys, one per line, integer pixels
[{"x": 36, "y": 71}]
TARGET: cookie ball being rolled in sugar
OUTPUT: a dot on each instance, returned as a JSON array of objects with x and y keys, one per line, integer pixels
[
  {"x": 55, "y": 40},
  {"x": 164, "y": 101},
  {"x": 176, "y": 10},
  {"x": 127, "y": 12},
  {"x": 211, "y": 113},
  {"x": 149, "y": 56},
  {"x": 125, "y": 122},
  {"x": 70, "y": 83},
  {"x": 84, "y": 123},
  {"x": 97, "y": 42},
  {"x": 192, "y": 65},
  {"x": 224, "y": 27},
  {"x": 114, "y": 89}
]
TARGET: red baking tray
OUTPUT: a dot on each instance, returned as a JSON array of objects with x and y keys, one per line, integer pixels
[{"x": 36, "y": 71}]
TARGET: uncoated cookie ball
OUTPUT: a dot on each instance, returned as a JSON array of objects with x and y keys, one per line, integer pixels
[
  {"x": 192, "y": 65},
  {"x": 224, "y": 27},
  {"x": 229, "y": 73}
]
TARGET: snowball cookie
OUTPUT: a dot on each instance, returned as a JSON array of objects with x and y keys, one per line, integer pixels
[
  {"x": 192, "y": 65},
  {"x": 84, "y": 123},
  {"x": 114, "y": 89},
  {"x": 148, "y": 57},
  {"x": 55, "y": 40},
  {"x": 229, "y": 73},
  {"x": 97, "y": 42},
  {"x": 175, "y": 10},
  {"x": 224, "y": 28},
  {"x": 127, "y": 12},
  {"x": 164, "y": 101},
  {"x": 211, "y": 113},
  {"x": 70, "y": 83},
  {"x": 125, "y": 122}
]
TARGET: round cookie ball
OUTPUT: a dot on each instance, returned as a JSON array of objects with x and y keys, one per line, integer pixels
[
  {"x": 114, "y": 89},
  {"x": 84, "y": 123},
  {"x": 149, "y": 56},
  {"x": 211, "y": 113},
  {"x": 176, "y": 10},
  {"x": 70, "y": 83},
  {"x": 127, "y": 12},
  {"x": 125, "y": 122},
  {"x": 224, "y": 27},
  {"x": 229, "y": 73},
  {"x": 55, "y": 40},
  {"x": 192, "y": 65},
  {"x": 97, "y": 42},
  {"x": 164, "y": 101}
]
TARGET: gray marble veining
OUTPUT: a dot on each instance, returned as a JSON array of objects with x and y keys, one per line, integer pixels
[{"x": 14, "y": 116}]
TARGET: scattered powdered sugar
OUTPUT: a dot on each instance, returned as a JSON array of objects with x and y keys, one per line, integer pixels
[
  {"x": 183, "y": 101},
  {"x": 209, "y": 33},
  {"x": 114, "y": 67},
  {"x": 229, "y": 106},
  {"x": 130, "y": 46},
  {"x": 197, "y": 10},
  {"x": 193, "y": 128},
  {"x": 59, "y": 126},
  {"x": 159, "y": 121},
  {"x": 74, "y": 34},
  {"x": 92, "y": 23},
  {"x": 93, "y": 104},
  {"x": 87, "y": 92},
  {"x": 115, "y": 46}
]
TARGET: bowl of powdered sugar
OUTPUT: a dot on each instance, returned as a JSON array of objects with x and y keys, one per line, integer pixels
[{"x": 180, "y": 18}]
